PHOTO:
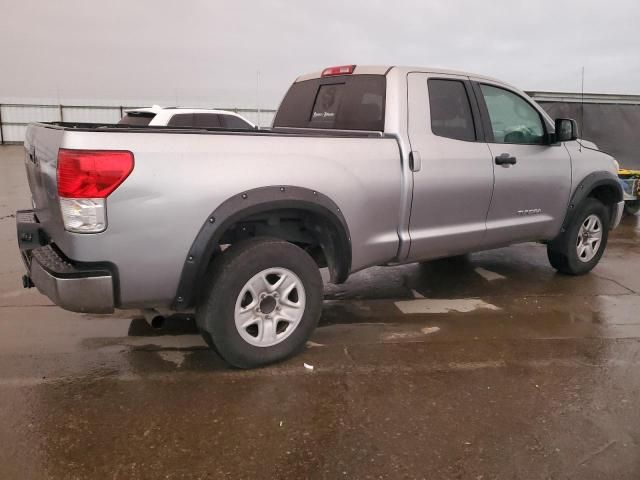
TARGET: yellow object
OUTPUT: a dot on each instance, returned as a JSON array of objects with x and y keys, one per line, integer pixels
[{"x": 624, "y": 171}]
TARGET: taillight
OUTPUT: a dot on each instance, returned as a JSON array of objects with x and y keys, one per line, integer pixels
[
  {"x": 85, "y": 179},
  {"x": 92, "y": 173},
  {"x": 341, "y": 70}
]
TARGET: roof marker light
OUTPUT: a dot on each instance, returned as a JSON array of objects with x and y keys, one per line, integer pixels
[{"x": 340, "y": 70}]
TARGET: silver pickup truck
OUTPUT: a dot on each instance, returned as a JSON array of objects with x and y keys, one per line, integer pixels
[{"x": 364, "y": 165}]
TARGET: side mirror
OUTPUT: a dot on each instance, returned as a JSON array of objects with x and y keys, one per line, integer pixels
[{"x": 566, "y": 130}]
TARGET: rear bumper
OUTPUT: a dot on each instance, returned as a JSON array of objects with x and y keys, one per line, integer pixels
[{"x": 74, "y": 286}]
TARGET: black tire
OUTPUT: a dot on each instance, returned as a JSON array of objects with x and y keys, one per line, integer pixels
[
  {"x": 562, "y": 252},
  {"x": 226, "y": 279}
]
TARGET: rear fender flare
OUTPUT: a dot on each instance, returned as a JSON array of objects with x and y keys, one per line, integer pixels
[{"x": 253, "y": 202}]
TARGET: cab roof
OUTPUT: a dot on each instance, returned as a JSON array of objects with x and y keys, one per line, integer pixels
[{"x": 385, "y": 69}]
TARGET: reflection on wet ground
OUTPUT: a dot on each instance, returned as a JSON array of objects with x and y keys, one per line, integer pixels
[{"x": 484, "y": 366}]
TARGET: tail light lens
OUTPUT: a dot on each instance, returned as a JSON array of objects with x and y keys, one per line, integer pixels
[
  {"x": 83, "y": 215},
  {"x": 85, "y": 179},
  {"x": 92, "y": 173}
]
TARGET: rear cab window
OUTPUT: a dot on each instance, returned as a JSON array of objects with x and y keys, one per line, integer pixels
[{"x": 347, "y": 102}]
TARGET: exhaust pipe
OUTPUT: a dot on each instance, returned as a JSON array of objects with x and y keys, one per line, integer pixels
[
  {"x": 155, "y": 319},
  {"x": 158, "y": 322}
]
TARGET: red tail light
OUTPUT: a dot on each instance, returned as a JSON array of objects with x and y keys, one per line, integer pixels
[
  {"x": 92, "y": 173},
  {"x": 341, "y": 70}
]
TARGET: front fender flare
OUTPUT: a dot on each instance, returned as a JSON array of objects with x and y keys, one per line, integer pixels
[{"x": 586, "y": 186}]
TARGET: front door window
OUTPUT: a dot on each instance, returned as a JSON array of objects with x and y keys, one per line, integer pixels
[{"x": 513, "y": 119}]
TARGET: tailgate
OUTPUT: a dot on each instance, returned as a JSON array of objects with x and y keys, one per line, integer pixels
[{"x": 41, "y": 158}]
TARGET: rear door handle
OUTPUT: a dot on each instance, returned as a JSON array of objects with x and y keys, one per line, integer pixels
[{"x": 505, "y": 159}]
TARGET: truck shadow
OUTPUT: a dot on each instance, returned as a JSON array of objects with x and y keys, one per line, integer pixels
[{"x": 176, "y": 324}]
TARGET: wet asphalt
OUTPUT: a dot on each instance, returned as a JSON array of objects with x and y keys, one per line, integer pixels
[{"x": 481, "y": 367}]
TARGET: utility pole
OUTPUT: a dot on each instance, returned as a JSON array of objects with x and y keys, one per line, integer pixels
[{"x": 582, "y": 109}]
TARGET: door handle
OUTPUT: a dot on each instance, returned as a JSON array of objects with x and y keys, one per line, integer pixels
[
  {"x": 505, "y": 159},
  {"x": 415, "y": 161}
]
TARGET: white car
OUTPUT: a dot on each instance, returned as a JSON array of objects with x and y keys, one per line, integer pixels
[{"x": 157, "y": 116}]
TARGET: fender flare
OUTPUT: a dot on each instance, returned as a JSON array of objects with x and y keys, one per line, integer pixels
[
  {"x": 587, "y": 185},
  {"x": 252, "y": 202}
]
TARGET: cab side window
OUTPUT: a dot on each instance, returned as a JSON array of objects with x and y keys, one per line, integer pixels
[
  {"x": 451, "y": 115},
  {"x": 513, "y": 119}
]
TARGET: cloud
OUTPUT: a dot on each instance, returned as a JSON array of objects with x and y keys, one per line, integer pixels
[{"x": 209, "y": 52}]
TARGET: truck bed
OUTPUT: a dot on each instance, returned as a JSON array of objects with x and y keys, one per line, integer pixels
[{"x": 181, "y": 175}]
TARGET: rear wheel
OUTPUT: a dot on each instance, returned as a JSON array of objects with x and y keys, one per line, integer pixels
[
  {"x": 261, "y": 303},
  {"x": 581, "y": 246}
]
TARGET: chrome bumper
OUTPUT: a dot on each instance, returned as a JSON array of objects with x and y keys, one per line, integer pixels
[
  {"x": 617, "y": 214},
  {"x": 77, "y": 293},
  {"x": 74, "y": 286}
]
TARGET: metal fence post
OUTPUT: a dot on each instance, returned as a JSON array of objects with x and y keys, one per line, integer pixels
[
  {"x": 1, "y": 137},
  {"x": 61, "y": 116}
]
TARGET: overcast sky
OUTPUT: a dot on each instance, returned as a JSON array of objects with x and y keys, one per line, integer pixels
[{"x": 208, "y": 52}]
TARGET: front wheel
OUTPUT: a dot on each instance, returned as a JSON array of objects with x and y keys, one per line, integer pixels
[
  {"x": 261, "y": 303},
  {"x": 580, "y": 247}
]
